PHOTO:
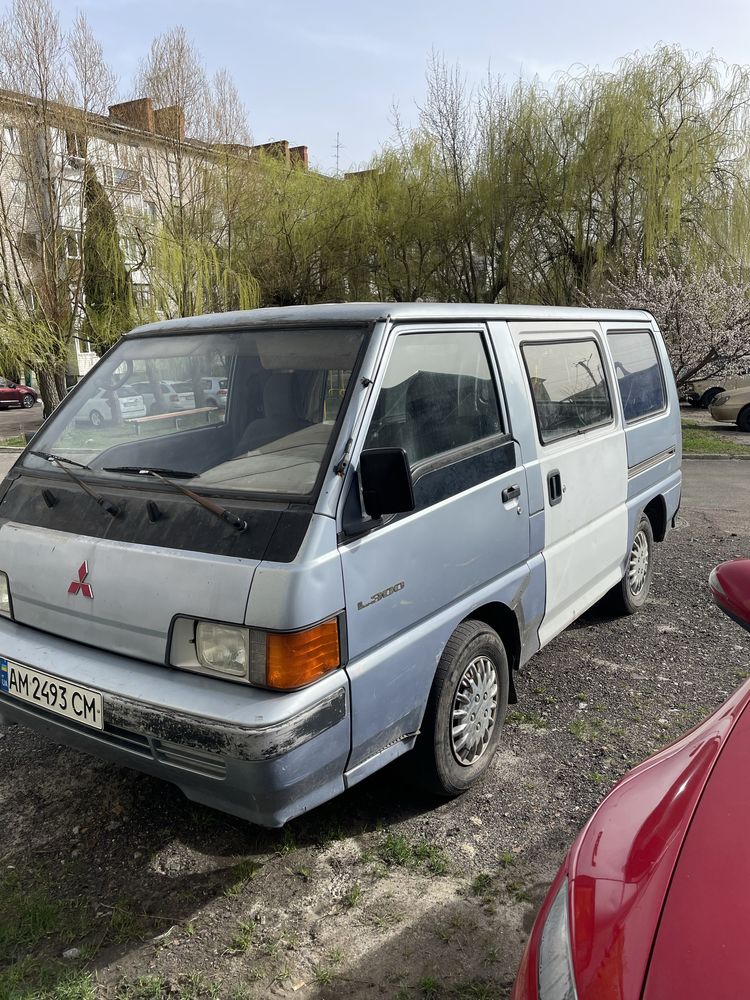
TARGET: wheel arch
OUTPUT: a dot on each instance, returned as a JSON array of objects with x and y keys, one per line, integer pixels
[
  {"x": 656, "y": 511},
  {"x": 503, "y": 620}
]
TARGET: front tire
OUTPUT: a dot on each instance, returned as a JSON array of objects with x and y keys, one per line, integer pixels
[
  {"x": 27, "y": 401},
  {"x": 465, "y": 712},
  {"x": 96, "y": 418},
  {"x": 631, "y": 594},
  {"x": 743, "y": 420}
]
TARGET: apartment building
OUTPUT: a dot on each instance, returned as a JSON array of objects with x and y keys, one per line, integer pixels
[{"x": 141, "y": 157}]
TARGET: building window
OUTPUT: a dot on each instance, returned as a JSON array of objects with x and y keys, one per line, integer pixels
[
  {"x": 142, "y": 296},
  {"x": 126, "y": 179},
  {"x": 73, "y": 245},
  {"x": 9, "y": 136},
  {"x": 75, "y": 145},
  {"x": 28, "y": 244}
]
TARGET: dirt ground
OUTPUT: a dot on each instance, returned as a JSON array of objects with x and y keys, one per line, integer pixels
[{"x": 383, "y": 892}]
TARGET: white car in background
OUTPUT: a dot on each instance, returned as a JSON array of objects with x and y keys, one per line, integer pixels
[
  {"x": 98, "y": 410},
  {"x": 216, "y": 390},
  {"x": 174, "y": 396}
]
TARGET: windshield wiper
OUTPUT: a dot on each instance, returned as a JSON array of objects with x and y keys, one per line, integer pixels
[
  {"x": 136, "y": 470},
  {"x": 61, "y": 462},
  {"x": 209, "y": 505}
]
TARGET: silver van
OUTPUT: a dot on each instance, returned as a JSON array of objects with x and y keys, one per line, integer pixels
[{"x": 266, "y": 601}]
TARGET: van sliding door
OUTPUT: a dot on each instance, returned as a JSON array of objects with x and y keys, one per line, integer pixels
[{"x": 583, "y": 461}]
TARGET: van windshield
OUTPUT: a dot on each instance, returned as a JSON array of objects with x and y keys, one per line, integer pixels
[{"x": 250, "y": 411}]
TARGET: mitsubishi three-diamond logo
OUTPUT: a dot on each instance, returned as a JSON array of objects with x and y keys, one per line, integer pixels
[{"x": 79, "y": 586}]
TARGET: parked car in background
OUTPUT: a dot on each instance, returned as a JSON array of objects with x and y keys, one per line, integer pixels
[
  {"x": 12, "y": 394},
  {"x": 174, "y": 396},
  {"x": 98, "y": 409},
  {"x": 702, "y": 392},
  {"x": 653, "y": 899},
  {"x": 733, "y": 406},
  {"x": 216, "y": 391}
]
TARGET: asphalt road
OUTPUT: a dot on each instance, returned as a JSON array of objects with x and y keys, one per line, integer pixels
[{"x": 16, "y": 420}]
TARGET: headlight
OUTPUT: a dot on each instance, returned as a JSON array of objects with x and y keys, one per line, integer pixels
[
  {"x": 556, "y": 981},
  {"x": 223, "y": 648},
  {"x": 5, "y": 608},
  {"x": 283, "y": 661},
  {"x": 720, "y": 399}
]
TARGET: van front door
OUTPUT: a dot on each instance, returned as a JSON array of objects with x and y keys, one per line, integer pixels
[
  {"x": 583, "y": 461},
  {"x": 408, "y": 577}
]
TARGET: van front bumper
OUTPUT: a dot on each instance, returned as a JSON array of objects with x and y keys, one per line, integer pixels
[{"x": 261, "y": 755}]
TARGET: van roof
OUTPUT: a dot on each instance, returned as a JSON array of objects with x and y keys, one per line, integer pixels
[{"x": 371, "y": 312}]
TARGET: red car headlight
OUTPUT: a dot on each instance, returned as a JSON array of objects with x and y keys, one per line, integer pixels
[{"x": 555, "y": 963}]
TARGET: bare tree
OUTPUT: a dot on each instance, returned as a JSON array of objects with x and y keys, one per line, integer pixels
[{"x": 42, "y": 157}]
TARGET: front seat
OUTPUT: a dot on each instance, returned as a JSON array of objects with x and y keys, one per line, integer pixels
[{"x": 280, "y": 407}]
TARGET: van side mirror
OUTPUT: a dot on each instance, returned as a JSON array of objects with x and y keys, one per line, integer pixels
[
  {"x": 29, "y": 436},
  {"x": 385, "y": 478}
]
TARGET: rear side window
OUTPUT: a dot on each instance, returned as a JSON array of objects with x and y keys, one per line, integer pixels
[
  {"x": 437, "y": 395},
  {"x": 569, "y": 387},
  {"x": 639, "y": 374}
]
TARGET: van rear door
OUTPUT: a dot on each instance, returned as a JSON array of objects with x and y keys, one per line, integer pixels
[{"x": 583, "y": 462}]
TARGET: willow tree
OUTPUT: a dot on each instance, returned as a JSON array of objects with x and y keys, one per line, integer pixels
[
  {"x": 620, "y": 165},
  {"x": 293, "y": 232}
]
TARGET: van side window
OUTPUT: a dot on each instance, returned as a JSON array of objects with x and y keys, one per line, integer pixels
[
  {"x": 569, "y": 387},
  {"x": 639, "y": 374},
  {"x": 437, "y": 395}
]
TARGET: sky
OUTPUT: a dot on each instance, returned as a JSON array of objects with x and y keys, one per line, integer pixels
[{"x": 308, "y": 71}]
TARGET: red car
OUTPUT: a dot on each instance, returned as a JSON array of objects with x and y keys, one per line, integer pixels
[
  {"x": 12, "y": 394},
  {"x": 652, "y": 901}
]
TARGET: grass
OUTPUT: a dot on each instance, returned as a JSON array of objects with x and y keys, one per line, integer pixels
[
  {"x": 697, "y": 439},
  {"x": 353, "y": 896},
  {"x": 13, "y": 442},
  {"x": 526, "y": 719},
  {"x": 243, "y": 938},
  {"x": 397, "y": 851},
  {"x": 242, "y": 873}
]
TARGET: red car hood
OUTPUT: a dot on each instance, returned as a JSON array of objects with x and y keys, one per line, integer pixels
[
  {"x": 700, "y": 949},
  {"x": 621, "y": 866}
]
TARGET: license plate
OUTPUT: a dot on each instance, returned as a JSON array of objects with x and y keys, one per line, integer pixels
[{"x": 69, "y": 700}]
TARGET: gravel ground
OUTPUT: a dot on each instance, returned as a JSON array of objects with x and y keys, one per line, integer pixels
[{"x": 382, "y": 893}]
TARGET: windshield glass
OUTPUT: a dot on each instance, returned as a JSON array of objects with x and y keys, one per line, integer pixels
[{"x": 249, "y": 411}]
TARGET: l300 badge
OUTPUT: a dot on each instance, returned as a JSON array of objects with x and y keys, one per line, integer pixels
[{"x": 380, "y": 595}]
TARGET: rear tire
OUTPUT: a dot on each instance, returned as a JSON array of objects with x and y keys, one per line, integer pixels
[
  {"x": 743, "y": 420},
  {"x": 465, "y": 711},
  {"x": 631, "y": 594}
]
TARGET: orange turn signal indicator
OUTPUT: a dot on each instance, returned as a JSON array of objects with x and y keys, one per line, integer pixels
[{"x": 295, "y": 659}]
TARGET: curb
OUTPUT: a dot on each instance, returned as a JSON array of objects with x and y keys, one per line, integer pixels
[
  {"x": 711, "y": 457},
  {"x": 10, "y": 451}
]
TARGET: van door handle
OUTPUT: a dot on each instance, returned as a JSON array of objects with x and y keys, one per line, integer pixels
[
  {"x": 511, "y": 492},
  {"x": 554, "y": 487}
]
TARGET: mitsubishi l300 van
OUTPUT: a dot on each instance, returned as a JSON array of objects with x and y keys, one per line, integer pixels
[{"x": 395, "y": 507}]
